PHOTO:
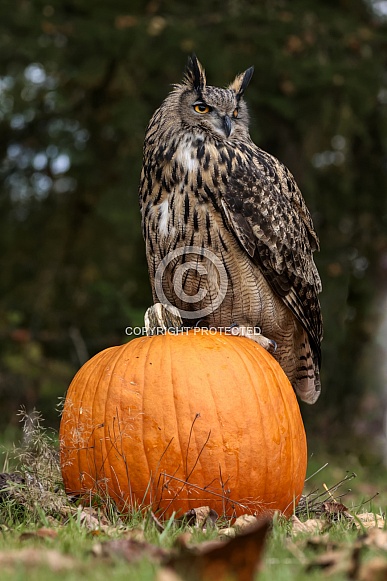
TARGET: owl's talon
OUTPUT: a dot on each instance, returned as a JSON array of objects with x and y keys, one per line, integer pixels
[
  {"x": 234, "y": 329},
  {"x": 254, "y": 333},
  {"x": 161, "y": 317},
  {"x": 273, "y": 345}
]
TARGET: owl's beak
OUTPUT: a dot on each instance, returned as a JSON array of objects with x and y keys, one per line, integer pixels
[{"x": 227, "y": 125}]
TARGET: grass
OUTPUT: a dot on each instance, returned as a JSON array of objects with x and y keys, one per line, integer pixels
[
  {"x": 285, "y": 557},
  {"x": 43, "y": 536},
  {"x": 74, "y": 542}
]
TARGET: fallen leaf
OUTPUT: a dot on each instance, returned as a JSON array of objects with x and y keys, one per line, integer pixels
[
  {"x": 130, "y": 550},
  {"x": 296, "y": 551},
  {"x": 92, "y": 519},
  {"x": 97, "y": 533},
  {"x": 334, "y": 507},
  {"x": 167, "y": 574},
  {"x": 183, "y": 541},
  {"x": 335, "y": 510},
  {"x": 228, "y": 532},
  {"x": 42, "y": 533},
  {"x": 310, "y": 526},
  {"x": 232, "y": 560},
  {"x": 244, "y": 522},
  {"x": 31, "y": 557},
  {"x": 368, "y": 520},
  {"x": 375, "y": 538},
  {"x": 136, "y": 534},
  {"x": 201, "y": 517},
  {"x": 345, "y": 561},
  {"x": 323, "y": 541},
  {"x": 374, "y": 570}
]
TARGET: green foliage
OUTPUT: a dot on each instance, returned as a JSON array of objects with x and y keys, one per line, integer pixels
[{"x": 79, "y": 82}]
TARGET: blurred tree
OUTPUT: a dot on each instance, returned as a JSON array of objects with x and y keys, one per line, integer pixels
[{"x": 79, "y": 82}]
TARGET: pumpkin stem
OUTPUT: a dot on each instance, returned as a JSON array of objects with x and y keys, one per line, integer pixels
[{"x": 159, "y": 318}]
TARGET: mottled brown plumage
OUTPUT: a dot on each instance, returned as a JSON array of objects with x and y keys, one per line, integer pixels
[{"x": 229, "y": 239}]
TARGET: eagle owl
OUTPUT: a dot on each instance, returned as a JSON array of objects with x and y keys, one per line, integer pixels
[{"x": 229, "y": 239}]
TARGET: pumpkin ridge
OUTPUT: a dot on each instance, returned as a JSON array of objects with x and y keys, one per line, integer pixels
[
  {"x": 85, "y": 444},
  {"x": 192, "y": 435},
  {"x": 293, "y": 433},
  {"x": 151, "y": 343},
  {"x": 71, "y": 416},
  {"x": 109, "y": 365},
  {"x": 136, "y": 461},
  {"x": 117, "y": 420},
  {"x": 212, "y": 429},
  {"x": 90, "y": 397},
  {"x": 275, "y": 405},
  {"x": 192, "y": 450},
  {"x": 175, "y": 448},
  {"x": 236, "y": 358},
  {"x": 266, "y": 364},
  {"x": 234, "y": 355},
  {"x": 291, "y": 410},
  {"x": 247, "y": 357},
  {"x": 231, "y": 462}
]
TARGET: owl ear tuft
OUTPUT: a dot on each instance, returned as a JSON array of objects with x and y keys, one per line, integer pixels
[
  {"x": 195, "y": 75},
  {"x": 241, "y": 82}
]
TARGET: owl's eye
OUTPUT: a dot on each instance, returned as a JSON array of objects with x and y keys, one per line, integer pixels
[
  {"x": 235, "y": 113},
  {"x": 202, "y": 108}
]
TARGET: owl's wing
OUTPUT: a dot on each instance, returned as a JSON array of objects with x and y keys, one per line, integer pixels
[{"x": 268, "y": 215}]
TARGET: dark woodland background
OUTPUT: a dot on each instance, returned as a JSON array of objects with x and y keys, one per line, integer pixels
[{"x": 79, "y": 80}]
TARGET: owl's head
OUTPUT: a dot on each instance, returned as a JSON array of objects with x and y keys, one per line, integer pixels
[{"x": 222, "y": 113}]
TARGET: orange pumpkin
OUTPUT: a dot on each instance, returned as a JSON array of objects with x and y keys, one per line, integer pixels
[{"x": 180, "y": 421}]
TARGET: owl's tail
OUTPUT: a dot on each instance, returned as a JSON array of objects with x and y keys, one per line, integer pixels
[{"x": 307, "y": 381}]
